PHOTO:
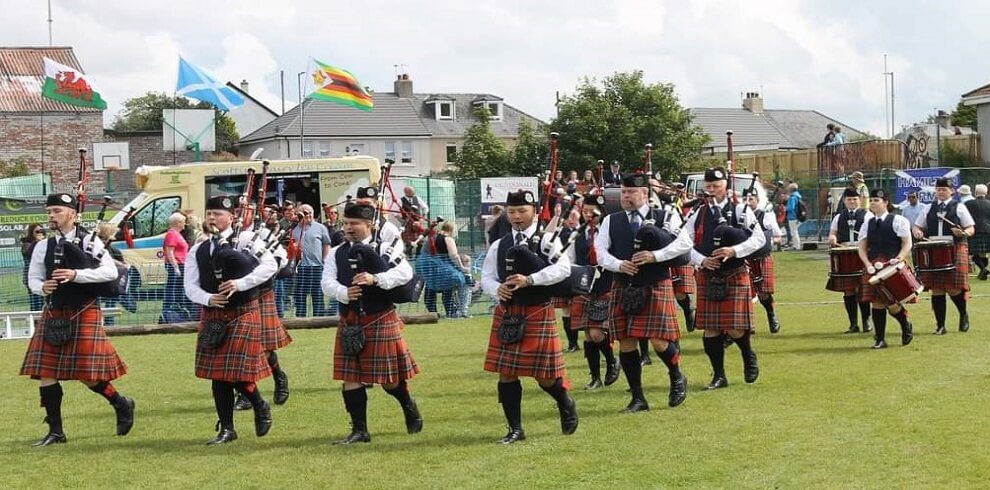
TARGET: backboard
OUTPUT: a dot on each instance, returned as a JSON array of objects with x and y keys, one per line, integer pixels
[
  {"x": 111, "y": 156},
  {"x": 181, "y": 128}
]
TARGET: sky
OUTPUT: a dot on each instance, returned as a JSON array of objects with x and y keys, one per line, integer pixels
[{"x": 822, "y": 55}]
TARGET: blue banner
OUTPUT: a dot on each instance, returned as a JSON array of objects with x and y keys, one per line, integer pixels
[{"x": 922, "y": 181}]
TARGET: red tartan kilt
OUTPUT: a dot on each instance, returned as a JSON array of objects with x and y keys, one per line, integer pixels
[
  {"x": 579, "y": 312},
  {"x": 846, "y": 285},
  {"x": 538, "y": 354},
  {"x": 385, "y": 358},
  {"x": 869, "y": 292},
  {"x": 683, "y": 280},
  {"x": 89, "y": 356},
  {"x": 273, "y": 333},
  {"x": 560, "y": 302},
  {"x": 657, "y": 320},
  {"x": 769, "y": 283},
  {"x": 957, "y": 278},
  {"x": 240, "y": 357},
  {"x": 735, "y": 312}
]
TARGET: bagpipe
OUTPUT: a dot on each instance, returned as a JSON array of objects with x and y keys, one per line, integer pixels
[
  {"x": 230, "y": 262},
  {"x": 767, "y": 247},
  {"x": 652, "y": 236},
  {"x": 730, "y": 230},
  {"x": 367, "y": 258}
]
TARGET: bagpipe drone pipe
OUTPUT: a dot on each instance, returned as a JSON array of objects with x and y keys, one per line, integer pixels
[{"x": 365, "y": 258}]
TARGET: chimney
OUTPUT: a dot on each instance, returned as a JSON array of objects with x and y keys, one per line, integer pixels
[
  {"x": 753, "y": 103},
  {"x": 244, "y": 86},
  {"x": 403, "y": 86}
]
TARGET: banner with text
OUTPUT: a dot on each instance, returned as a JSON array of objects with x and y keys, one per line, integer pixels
[
  {"x": 495, "y": 190},
  {"x": 922, "y": 181}
]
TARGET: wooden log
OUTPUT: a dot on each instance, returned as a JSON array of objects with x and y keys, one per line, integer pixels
[{"x": 290, "y": 324}]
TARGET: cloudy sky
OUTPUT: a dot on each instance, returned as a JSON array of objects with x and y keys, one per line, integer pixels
[{"x": 822, "y": 55}]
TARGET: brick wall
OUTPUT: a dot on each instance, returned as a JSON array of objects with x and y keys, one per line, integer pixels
[
  {"x": 55, "y": 150},
  {"x": 145, "y": 148}
]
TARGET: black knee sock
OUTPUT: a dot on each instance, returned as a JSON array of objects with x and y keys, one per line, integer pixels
[
  {"x": 716, "y": 355},
  {"x": 51, "y": 399},
  {"x": 106, "y": 390},
  {"x": 879, "y": 323},
  {"x": 901, "y": 317},
  {"x": 864, "y": 312},
  {"x": 356, "y": 403},
  {"x": 273, "y": 363},
  {"x": 557, "y": 391},
  {"x": 980, "y": 262},
  {"x": 594, "y": 357},
  {"x": 685, "y": 305},
  {"x": 938, "y": 306},
  {"x": 633, "y": 371},
  {"x": 960, "y": 301},
  {"x": 767, "y": 303},
  {"x": 606, "y": 349},
  {"x": 671, "y": 358},
  {"x": 644, "y": 348},
  {"x": 745, "y": 345},
  {"x": 401, "y": 394},
  {"x": 223, "y": 400},
  {"x": 250, "y": 391},
  {"x": 850, "y": 303},
  {"x": 572, "y": 335},
  {"x": 510, "y": 396}
]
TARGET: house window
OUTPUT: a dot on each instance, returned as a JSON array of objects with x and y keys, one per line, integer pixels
[
  {"x": 307, "y": 149},
  {"x": 354, "y": 149},
  {"x": 451, "y": 153},
  {"x": 445, "y": 110},
  {"x": 389, "y": 152},
  {"x": 324, "y": 148},
  {"x": 407, "y": 152},
  {"x": 494, "y": 110}
]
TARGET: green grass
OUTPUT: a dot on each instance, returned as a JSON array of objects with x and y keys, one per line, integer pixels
[{"x": 827, "y": 412}]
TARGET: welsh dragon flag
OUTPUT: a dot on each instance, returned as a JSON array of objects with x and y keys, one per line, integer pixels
[{"x": 66, "y": 84}]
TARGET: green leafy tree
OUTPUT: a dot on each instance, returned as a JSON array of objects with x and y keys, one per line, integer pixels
[
  {"x": 144, "y": 113},
  {"x": 964, "y": 116},
  {"x": 17, "y": 167},
  {"x": 530, "y": 153},
  {"x": 482, "y": 155},
  {"x": 614, "y": 119}
]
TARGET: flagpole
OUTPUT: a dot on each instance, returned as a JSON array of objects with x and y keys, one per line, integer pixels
[{"x": 44, "y": 185}]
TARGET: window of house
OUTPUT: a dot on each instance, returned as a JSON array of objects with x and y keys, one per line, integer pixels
[
  {"x": 152, "y": 219},
  {"x": 451, "y": 153},
  {"x": 307, "y": 149},
  {"x": 324, "y": 148},
  {"x": 495, "y": 110},
  {"x": 445, "y": 110},
  {"x": 355, "y": 149},
  {"x": 389, "y": 152},
  {"x": 407, "y": 152}
]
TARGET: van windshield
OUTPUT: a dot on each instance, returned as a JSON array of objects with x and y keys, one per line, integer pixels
[{"x": 134, "y": 204}]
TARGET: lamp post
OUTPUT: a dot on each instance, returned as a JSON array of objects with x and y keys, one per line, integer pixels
[{"x": 302, "y": 113}]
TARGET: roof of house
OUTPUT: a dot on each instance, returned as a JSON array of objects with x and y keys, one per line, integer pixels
[
  {"x": 22, "y": 77},
  {"x": 783, "y": 129},
  {"x": 252, "y": 99},
  {"x": 978, "y": 92}
]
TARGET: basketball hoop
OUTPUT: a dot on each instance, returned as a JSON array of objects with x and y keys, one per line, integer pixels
[{"x": 111, "y": 167}]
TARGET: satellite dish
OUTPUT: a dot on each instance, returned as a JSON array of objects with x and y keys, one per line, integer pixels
[{"x": 256, "y": 154}]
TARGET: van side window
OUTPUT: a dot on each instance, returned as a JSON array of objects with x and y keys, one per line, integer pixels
[{"x": 152, "y": 219}]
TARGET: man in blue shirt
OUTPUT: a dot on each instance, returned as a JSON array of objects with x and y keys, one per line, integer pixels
[
  {"x": 314, "y": 243},
  {"x": 792, "y": 219}
]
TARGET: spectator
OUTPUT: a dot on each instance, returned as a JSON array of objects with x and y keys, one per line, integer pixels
[
  {"x": 912, "y": 208},
  {"x": 411, "y": 203},
  {"x": 829, "y": 135},
  {"x": 588, "y": 182},
  {"x": 174, "y": 250},
  {"x": 442, "y": 271},
  {"x": 838, "y": 138},
  {"x": 35, "y": 233},
  {"x": 857, "y": 183},
  {"x": 192, "y": 228},
  {"x": 106, "y": 232},
  {"x": 979, "y": 243},
  {"x": 314, "y": 245},
  {"x": 205, "y": 233},
  {"x": 497, "y": 226},
  {"x": 793, "y": 203},
  {"x": 613, "y": 177},
  {"x": 465, "y": 294},
  {"x": 572, "y": 181},
  {"x": 965, "y": 194}
]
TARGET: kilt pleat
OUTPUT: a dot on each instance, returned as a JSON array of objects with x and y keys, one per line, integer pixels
[
  {"x": 847, "y": 285},
  {"x": 957, "y": 278},
  {"x": 560, "y": 302},
  {"x": 683, "y": 279},
  {"x": 579, "y": 312},
  {"x": 769, "y": 283},
  {"x": 538, "y": 355},
  {"x": 89, "y": 356},
  {"x": 979, "y": 244},
  {"x": 385, "y": 358},
  {"x": 273, "y": 333},
  {"x": 240, "y": 357},
  {"x": 735, "y": 312},
  {"x": 657, "y": 320}
]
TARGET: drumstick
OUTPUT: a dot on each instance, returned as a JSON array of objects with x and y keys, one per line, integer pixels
[{"x": 951, "y": 224}]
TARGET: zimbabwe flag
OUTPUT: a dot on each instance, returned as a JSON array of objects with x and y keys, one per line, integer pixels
[{"x": 336, "y": 85}]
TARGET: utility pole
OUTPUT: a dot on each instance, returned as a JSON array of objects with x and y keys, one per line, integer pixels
[
  {"x": 51, "y": 41},
  {"x": 889, "y": 102},
  {"x": 302, "y": 113},
  {"x": 281, "y": 82}
]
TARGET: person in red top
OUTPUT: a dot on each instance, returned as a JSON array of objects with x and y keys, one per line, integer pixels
[{"x": 174, "y": 250}]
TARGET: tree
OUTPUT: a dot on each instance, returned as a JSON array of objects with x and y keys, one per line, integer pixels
[
  {"x": 17, "y": 167},
  {"x": 614, "y": 119},
  {"x": 144, "y": 113},
  {"x": 482, "y": 154},
  {"x": 530, "y": 154},
  {"x": 964, "y": 115}
]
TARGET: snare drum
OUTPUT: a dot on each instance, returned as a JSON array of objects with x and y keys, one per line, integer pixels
[
  {"x": 845, "y": 262},
  {"x": 934, "y": 256},
  {"x": 897, "y": 284}
]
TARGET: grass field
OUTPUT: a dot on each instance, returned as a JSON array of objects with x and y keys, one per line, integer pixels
[{"x": 827, "y": 412}]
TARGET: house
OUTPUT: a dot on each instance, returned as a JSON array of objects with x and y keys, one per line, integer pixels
[
  {"x": 419, "y": 132},
  {"x": 980, "y": 97},
  {"x": 756, "y": 129},
  {"x": 253, "y": 114}
]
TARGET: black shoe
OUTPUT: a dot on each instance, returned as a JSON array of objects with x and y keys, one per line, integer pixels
[
  {"x": 612, "y": 373},
  {"x": 690, "y": 321},
  {"x": 774, "y": 323},
  {"x": 867, "y": 327},
  {"x": 354, "y": 437},
  {"x": 983, "y": 275},
  {"x": 636, "y": 405},
  {"x": 242, "y": 403},
  {"x": 125, "y": 416},
  {"x": 513, "y": 436},
  {"x": 645, "y": 360},
  {"x": 568, "y": 416},
  {"x": 880, "y": 344},
  {"x": 852, "y": 329},
  {"x": 727, "y": 341},
  {"x": 51, "y": 438},
  {"x": 414, "y": 421},
  {"x": 751, "y": 369},
  {"x": 719, "y": 382},
  {"x": 223, "y": 437},
  {"x": 571, "y": 348},
  {"x": 678, "y": 391},
  {"x": 907, "y": 334},
  {"x": 964, "y": 322},
  {"x": 281, "y": 388},
  {"x": 262, "y": 419},
  {"x": 939, "y": 330},
  {"x": 594, "y": 384}
]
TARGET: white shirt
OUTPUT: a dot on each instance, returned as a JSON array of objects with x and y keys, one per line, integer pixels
[
  {"x": 603, "y": 241},
  {"x": 944, "y": 230},
  {"x": 389, "y": 232},
  {"x": 265, "y": 270},
  {"x": 390, "y": 279},
  {"x": 685, "y": 239},
  {"x": 552, "y": 274},
  {"x": 770, "y": 223},
  {"x": 105, "y": 272},
  {"x": 260, "y": 240},
  {"x": 902, "y": 228},
  {"x": 833, "y": 229}
]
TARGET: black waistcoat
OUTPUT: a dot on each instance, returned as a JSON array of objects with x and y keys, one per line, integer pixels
[
  {"x": 842, "y": 227},
  {"x": 882, "y": 240},
  {"x": 71, "y": 294},
  {"x": 373, "y": 298},
  {"x": 705, "y": 244},
  {"x": 582, "y": 249},
  {"x": 208, "y": 281},
  {"x": 622, "y": 243},
  {"x": 532, "y": 295},
  {"x": 933, "y": 221}
]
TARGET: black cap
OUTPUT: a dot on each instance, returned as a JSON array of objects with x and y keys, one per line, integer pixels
[
  {"x": 943, "y": 182},
  {"x": 221, "y": 203},
  {"x": 615, "y": 163},
  {"x": 359, "y": 211},
  {"x": 715, "y": 174},
  {"x": 849, "y": 192},
  {"x": 880, "y": 193},
  {"x": 520, "y": 198},
  {"x": 750, "y": 191},
  {"x": 367, "y": 192},
  {"x": 595, "y": 200},
  {"x": 62, "y": 199},
  {"x": 635, "y": 180}
]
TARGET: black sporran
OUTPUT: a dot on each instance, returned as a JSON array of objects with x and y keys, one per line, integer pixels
[
  {"x": 633, "y": 299},
  {"x": 213, "y": 334},
  {"x": 597, "y": 310},
  {"x": 352, "y": 339},
  {"x": 718, "y": 289},
  {"x": 512, "y": 329},
  {"x": 58, "y": 331}
]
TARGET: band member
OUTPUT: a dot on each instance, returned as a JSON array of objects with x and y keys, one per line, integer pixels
[
  {"x": 523, "y": 339},
  {"x": 947, "y": 220},
  {"x": 636, "y": 275},
  {"x": 884, "y": 238},
  {"x": 225, "y": 278},
  {"x": 570, "y": 223},
  {"x": 386, "y": 230},
  {"x": 844, "y": 231},
  {"x": 719, "y": 237},
  {"x": 761, "y": 267},
  {"x": 590, "y": 312},
  {"x": 69, "y": 271},
  {"x": 369, "y": 348},
  {"x": 683, "y": 276}
]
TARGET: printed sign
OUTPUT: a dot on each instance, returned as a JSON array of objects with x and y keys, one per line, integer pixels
[
  {"x": 496, "y": 189},
  {"x": 922, "y": 181}
]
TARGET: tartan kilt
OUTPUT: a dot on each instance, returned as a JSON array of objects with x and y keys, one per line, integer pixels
[
  {"x": 868, "y": 293},
  {"x": 657, "y": 320},
  {"x": 273, "y": 333},
  {"x": 560, "y": 302},
  {"x": 538, "y": 355},
  {"x": 89, "y": 356},
  {"x": 852, "y": 284},
  {"x": 979, "y": 244},
  {"x": 385, "y": 358},
  {"x": 683, "y": 280},
  {"x": 579, "y": 312},
  {"x": 735, "y": 312},
  {"x": 240, "y": 357},
  {"x": 957, "y": 278},
  {"x": 769, "y": 283}
]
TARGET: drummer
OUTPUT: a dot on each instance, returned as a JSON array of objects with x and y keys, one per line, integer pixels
[
  {"x": 947, "y": 220},
  {"x": 844, "y": 232},
  {"x": 884, "y": 238}
]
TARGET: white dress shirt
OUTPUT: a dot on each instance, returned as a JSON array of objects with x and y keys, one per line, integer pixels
[
  {"x": 902, "y": 228},
  {"x": 944, "y": 230},
  {"x": 833, "y": 228},
  {"x": 770, "y": 223},
  {"x": 685, "y": 239},
  {"x": 603, "y": 241},
  {"x": 390, "y": 279},
  {"x": 105, "y": 272},
  {"x": 552, "y": 274},
  {"x": 265, "y": 270}
]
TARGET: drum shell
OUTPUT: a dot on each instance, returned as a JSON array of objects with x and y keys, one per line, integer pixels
[
  {"x": 845, "y": 262},
  {"x": 934, "y": 256}
]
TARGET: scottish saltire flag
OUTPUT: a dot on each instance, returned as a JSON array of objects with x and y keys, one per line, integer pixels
[{"x": 195, "y": 83}]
